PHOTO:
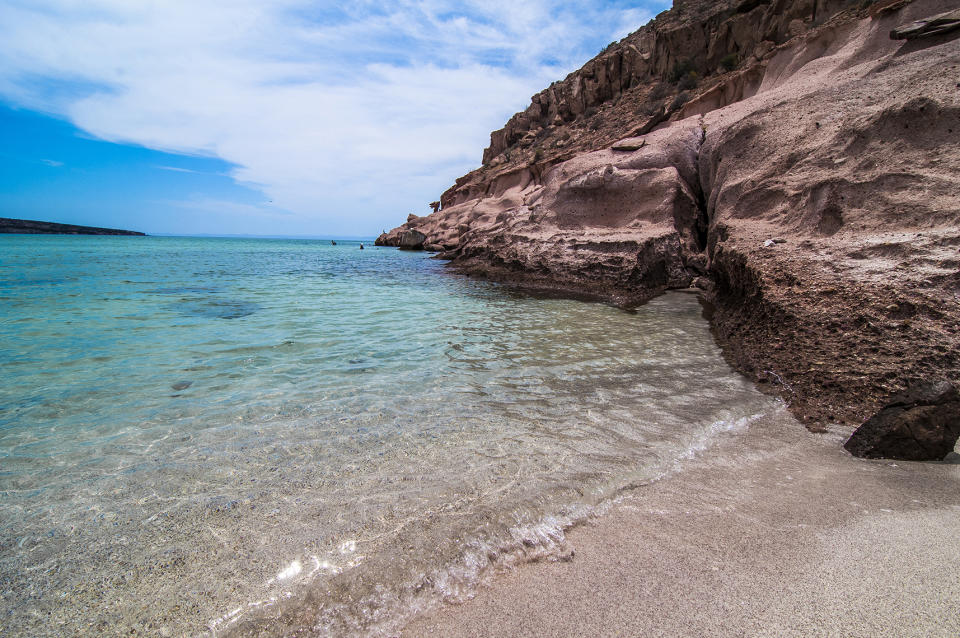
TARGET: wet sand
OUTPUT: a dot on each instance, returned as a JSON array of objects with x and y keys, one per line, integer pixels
[{"x": 774, "y": 532}]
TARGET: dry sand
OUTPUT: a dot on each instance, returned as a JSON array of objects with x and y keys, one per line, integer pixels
[{"x": 773, "y": 532}]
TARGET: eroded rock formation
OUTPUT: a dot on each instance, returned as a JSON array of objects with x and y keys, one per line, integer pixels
[{"x": 812, "y": 192}]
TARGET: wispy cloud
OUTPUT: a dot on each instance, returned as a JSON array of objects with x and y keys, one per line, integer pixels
[
  {"x": 367, "y": 107},
  {"x": 177, "y": 169},
  {"x": 201, "y": 203},
  {"x": 52, "y": 163}
]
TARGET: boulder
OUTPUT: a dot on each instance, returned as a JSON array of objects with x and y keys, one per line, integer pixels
[
  {"x": 412, "y": 240},
  {"x": 921, "y": 424}
]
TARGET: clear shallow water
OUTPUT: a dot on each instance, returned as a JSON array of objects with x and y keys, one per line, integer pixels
[{"x": 248, "y": 437}]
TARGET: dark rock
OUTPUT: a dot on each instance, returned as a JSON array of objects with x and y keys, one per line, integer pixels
[
  {"x": 182, "y": 385},
  {"x": 412, "y": 240},
  {"x": 934, "y": 25},
  {"x": 921, "y": 424}
]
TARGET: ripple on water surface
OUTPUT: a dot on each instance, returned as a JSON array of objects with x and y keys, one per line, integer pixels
[{"x": 254, "y": 436}]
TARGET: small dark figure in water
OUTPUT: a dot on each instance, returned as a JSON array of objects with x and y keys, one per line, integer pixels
[
  {"x": 361, "y": 246},
  {"x": 333, "y": 243}
]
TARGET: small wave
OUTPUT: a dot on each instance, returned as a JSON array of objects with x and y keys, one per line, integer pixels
[{"x": 317, "y": 607}]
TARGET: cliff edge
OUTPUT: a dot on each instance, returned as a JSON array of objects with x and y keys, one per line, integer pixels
[{"x": 795, "y": 160}]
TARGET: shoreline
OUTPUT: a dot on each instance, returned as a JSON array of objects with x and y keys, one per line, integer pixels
[
  {"x": 740, "y": 357},
  {"x": 776, "y": 531}
]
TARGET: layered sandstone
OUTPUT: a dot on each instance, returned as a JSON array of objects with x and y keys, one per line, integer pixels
[{"x": 811, "y": 193}]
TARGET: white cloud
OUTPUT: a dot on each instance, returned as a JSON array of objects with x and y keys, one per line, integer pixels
[
  {"x": 52, "y": 163},
  {"x": 350, "y": 115}
]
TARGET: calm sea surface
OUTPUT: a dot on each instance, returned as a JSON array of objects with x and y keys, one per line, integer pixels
[{"x": 253, "y": 436}]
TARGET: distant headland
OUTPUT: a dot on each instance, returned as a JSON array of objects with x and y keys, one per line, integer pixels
[{"x": 27, "y": 226}]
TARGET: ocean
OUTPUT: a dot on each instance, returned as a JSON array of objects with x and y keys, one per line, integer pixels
[{"x": 232, "y": 437}]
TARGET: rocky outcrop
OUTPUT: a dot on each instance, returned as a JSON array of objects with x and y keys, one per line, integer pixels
[
  {"x": 811, "y": 193},
  {"x": 625, "y": 221},
  {"x": 411, "y": 240},
  {"x": 30, "y": 227},
  {"x": 843, "y": 154},
  {"x": 934, "y": 25},
  {"x": 921, "y": 424}
]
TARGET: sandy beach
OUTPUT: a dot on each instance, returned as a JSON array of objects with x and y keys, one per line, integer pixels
[{"x": 774, "y": 532}]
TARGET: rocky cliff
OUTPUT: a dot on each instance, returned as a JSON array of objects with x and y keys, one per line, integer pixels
[{"x": 793, "y": 159}]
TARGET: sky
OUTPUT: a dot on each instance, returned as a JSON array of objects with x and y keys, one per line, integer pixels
[{"x": 270, "y": 117}]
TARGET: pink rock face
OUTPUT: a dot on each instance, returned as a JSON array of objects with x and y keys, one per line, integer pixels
[
  {"x": 812, "y": 193},
  {"x": 624, "y": 221}
]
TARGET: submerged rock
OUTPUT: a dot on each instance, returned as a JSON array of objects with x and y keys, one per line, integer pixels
[{"x": 921, "y": 424}]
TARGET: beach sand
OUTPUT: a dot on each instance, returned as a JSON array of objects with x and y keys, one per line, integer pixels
[{"x": 773, "y": 532}]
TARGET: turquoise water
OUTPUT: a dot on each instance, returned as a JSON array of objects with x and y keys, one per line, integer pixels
[{"x": 255, "y": 437}]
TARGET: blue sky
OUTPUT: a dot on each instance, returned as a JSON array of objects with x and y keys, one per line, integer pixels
[{"x": 269, "y": 117}]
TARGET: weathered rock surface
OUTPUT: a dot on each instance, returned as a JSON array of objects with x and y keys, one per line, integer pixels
[
  {"x": 812, "y": 194},
  {"x": 31, "y": 227},
  {"x": 921, "y": 424},
  {"x": 411, "y": 240},
  {"x": 935, "y": 25}
]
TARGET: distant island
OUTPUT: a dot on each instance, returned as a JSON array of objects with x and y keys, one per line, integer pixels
[{"x": 27, "y": 226}]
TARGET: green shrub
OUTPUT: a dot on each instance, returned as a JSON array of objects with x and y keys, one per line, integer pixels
[
  {"x": 681, "y": 68},
  {"x": 689, "y": 81},
  {"x": 729, "y": 62},
  {"x": 659, "y": 91},
  {"x": 679, "y": 101},
  {"x": 650, "y": 108}
]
